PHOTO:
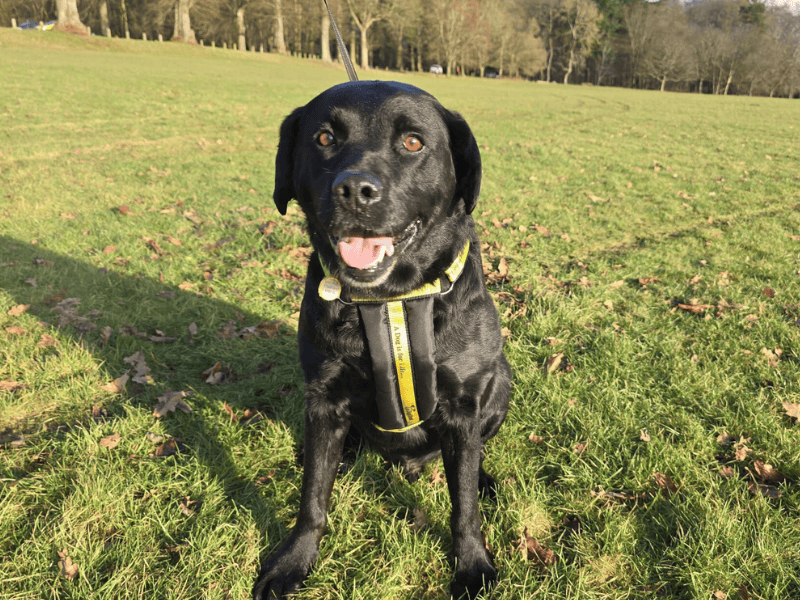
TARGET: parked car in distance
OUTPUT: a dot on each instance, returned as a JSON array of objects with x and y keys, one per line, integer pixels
[{"x": 437, "y": 69}]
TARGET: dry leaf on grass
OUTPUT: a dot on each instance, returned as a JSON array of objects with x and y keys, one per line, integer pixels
[
  {"x": 554, "y": 363},
  {"x": 16, "y": 330},
  {"x": 111, "y": 441},
  {"x": 68, "y": 568},
  {"x": 535, "y": 439},
  {"x": 665, "y": 483},
  {"x": 420, "y": 519},
  {"x": 10, "y": 386},
  {"x": 118, "y": 385},
  {"x": 534, "y": 552},
  {"x": 437, "y": 477},
  {"x": 644, "y": 435},
  {"x": 140, "y": 368},
  {"x": 18, "y": 310},
  {"x": 171, "y": 401},
  {"x": 231, "y": 413},
  {"x": 695, "y": 308},
  {"x": 170, "y": 447},
  {"x": 47, "y": 341},
  {"x": 792, "y": 410}
]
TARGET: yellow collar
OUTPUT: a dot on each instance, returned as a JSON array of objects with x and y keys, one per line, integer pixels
[{"x": 330, "y": 288}]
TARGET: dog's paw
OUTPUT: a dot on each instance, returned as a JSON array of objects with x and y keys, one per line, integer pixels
[
  {"x": 283, "y": 573},
  {"x": 471, "y": 581}
]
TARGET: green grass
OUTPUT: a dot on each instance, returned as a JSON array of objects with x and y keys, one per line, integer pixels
[{"x": 642, "y": 200}]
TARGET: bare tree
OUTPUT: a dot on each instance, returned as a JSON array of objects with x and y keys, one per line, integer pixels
[
  {"x": 365, "y": 14},
  {"x": 583, "y": 21},
  {"x": 667, "y": 57}
]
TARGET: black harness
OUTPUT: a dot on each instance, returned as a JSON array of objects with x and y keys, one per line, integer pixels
[{"x": 400, "y": 340}]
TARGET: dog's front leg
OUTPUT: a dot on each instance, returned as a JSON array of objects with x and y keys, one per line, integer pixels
[
  {"x": 284, "y": 572},
  {"x": 461, "y": 453}
]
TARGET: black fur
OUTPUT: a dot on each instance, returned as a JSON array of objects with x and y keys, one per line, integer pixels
[{"x": 423, "y": 199}]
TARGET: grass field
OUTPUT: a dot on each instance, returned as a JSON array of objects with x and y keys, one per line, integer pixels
[{"x": 645, "y": 259}]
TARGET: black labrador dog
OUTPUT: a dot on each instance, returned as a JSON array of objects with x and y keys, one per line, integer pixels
[{"x": 399, "y": 339}]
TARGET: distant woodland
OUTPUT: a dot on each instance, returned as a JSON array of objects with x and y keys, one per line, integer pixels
[{"x": 707, "y": 46}]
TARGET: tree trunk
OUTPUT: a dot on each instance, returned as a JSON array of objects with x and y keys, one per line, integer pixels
[
  {"x": 240, "y": 23},
  {"x": 68, "y": 15},
  {"x": 399, "y": 62},
  {"x": 728, "y": 83},
  {"x": 364, "y": 49},
  {"x": 353, "y": 54},
  {"x": 325, "y": 38},
  {"x": 570, "y": 64},
  {"x": 183, "y": 25},
  {"x": 280, "y": 41},
  {"x": 104, "y": 29},
  {"x": 549, "y": 59},
  {"x": 663, "y": 83}
]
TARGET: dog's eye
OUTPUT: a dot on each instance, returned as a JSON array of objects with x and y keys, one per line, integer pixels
[
  {"x": 326, "y": 139},
  {"x": 412, "y": 144}
]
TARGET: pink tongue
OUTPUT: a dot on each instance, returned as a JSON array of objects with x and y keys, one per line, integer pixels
[{"x": 363, "y": 253}]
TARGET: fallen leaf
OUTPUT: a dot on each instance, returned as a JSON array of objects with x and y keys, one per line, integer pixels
[
  {"x": 772, "y": 356},
  {"x": 437, "y": 477},
  {"x": 10, "y": 386},
  {"x": 766, "y": 472},
  {"x": 140, "y": 368},
  {"x": 695, "y": 308},
  {"x": 553, "y": 363},
  {"x": 769, "y": 292},
  {"x": 153, "y": 437},
  {"x": 580, "y": 448},
  {"x": 644, "y": 435},
  {"x": 420, "y": 519},
  {"x": 118, "y": 385},
  {"x": 68, "y": 568},
  {"x": 111, "y": 441},
  {"x": 792, "y": 410},
  {"x": 47, "y": 341},
  {"x": 727, "y": 472},
  {"x": 230, "y": 412},
  {"x": 725, "y": 439},
  {"x": 768, "y": 491},
  {"x": 665, "y": 483},
  {"x": 616, "y": 284},
  {"x": 170, "y": 447},
  {"x": 502, "y": 268},
  {"x": 16, "y": 330},
  {"x": 171, "y": 401},
  {"x": 741, "y": 452},
  {"x": 187, "y": 506},
  {"x": 535, "y": 439},
  {"x": 32, "y": 282},
  {"x": 720, "y": 595},
  {"x": 18, "y": 310},
  {"x": 608, "y": 304},
  {"x": 534, "y": 552},
  {"x": 193, "y": 329}
]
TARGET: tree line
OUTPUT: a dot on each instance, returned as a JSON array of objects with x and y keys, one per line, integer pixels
[{"x": 706, "y": 46}]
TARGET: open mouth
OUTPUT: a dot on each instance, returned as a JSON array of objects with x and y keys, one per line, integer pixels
[{"x": 369, "y": 257}]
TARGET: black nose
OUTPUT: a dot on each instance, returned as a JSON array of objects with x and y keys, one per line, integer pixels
[{"x": 357, "y": 190}]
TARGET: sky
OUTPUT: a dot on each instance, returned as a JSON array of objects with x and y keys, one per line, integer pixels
[{"x": 794, "y": 5}]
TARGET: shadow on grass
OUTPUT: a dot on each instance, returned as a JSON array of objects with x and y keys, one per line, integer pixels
[{"x": 265, "y": 375}]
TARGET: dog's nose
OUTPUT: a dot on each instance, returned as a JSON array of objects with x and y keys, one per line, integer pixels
[{"x": 358, "y": 190}]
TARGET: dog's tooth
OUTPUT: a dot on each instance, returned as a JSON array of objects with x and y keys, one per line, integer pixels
[
  {"x": 389, "y": 249},
  {"x": 381, "y": 254}
]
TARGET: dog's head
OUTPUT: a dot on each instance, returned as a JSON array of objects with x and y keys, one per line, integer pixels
[{"x": 382, "y": 172}]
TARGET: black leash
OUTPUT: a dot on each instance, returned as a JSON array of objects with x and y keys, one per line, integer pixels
[{"x": 348, "y": 65}]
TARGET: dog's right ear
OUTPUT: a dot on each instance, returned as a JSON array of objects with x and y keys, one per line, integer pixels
[{"x": 284, "y": 161}]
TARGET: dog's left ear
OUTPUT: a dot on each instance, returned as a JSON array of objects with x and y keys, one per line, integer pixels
[
  {"x": 466, "y": 159},
  {"x": 284, "y": 161}
]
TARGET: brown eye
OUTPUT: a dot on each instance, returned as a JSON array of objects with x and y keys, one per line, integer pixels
[
  {"x": 412, "y": 144},
  {"x": 326, "y": 139}
]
